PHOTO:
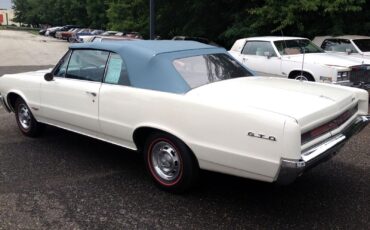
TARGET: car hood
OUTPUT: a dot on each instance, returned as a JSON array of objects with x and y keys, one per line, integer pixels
[
  {"x": 306, "y": 102},
  {"x": 362, "y": 59},
  {"x": 359, "y": 58},
  {"x": 324, "y": 59}
]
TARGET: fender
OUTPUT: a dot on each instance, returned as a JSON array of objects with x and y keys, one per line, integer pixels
[{"x": 19, "y": 93}]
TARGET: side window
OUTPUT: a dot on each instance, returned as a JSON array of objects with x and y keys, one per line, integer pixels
[
  {"x": 258, "y": 48},
  {"x": 61, "y": 70},
  {"x": 116, "y": 71},
  {"x": 326, "y": 45},
  {"x": 87, "y": 65}
]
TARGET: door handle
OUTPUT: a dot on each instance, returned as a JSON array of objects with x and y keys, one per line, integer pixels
[
  {"x": 245, "y": 59},
  {"x": 91, "y": 93}
]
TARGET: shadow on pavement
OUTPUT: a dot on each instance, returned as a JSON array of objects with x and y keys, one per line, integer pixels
[{"x": 20, "y": 69}]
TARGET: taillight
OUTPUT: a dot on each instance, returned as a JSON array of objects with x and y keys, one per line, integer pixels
[{"x": 327, "y": 127}]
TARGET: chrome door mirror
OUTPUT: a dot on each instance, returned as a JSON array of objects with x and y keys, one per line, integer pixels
[
  {"x": 349, "y": 51},
  {"x": 267, "y": 54},
  {"x": 48, "y": 77}
]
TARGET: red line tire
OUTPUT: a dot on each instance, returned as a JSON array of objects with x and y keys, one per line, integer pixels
[{"x": 170, "y": 163}]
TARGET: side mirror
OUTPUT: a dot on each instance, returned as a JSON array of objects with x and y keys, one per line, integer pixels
[
  {"x": 348, "y": 51},
  {"x": 48, "y": 77},
  {"x": 267, "y": 54}
]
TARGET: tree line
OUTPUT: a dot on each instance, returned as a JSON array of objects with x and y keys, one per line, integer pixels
[{"x": 221, "y": 21}]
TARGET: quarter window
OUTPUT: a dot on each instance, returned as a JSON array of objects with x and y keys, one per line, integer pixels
[
  {"x": 259, "y": 48},
  {"x": 87, "y": 65},
  {"x": 116, "y": 71}
]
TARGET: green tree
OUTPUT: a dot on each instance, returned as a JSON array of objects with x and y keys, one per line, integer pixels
[
  {"x": 96, "y": 12},
  {"x": 21, "y": 8},
  {"x": 222, "y": 21},
  {"x": 129, "y": 15}
]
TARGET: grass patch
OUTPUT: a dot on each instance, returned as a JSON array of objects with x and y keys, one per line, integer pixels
[{"x": 19, "y": 28}]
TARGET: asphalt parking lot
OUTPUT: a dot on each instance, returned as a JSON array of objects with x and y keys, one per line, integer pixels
[{"x": 64, "y": 180}]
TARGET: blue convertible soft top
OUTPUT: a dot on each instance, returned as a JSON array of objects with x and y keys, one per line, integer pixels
[{"x": 149, "y": 63}]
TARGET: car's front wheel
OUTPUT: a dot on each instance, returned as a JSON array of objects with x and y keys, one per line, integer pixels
[
  {"x": 302, "y": 76},
  {"x": 170, "y": 163},
  {"x": 25, "y": 120}
]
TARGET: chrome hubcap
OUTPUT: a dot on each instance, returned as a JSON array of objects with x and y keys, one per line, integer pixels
[
  {"x": 165, "y": 161},
  {"x": 24, "y": 116},
  {"x": 301, "y": 78}
]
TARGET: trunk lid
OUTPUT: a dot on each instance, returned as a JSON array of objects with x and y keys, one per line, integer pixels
[{"x": 306, "y": 102}]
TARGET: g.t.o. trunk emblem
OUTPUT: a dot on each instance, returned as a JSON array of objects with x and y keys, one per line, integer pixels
[{"x": 262, "y": 136}]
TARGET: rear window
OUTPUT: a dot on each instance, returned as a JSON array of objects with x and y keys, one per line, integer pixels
[{"x": 204, "y": 69}]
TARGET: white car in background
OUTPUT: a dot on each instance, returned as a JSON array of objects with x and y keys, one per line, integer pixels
[
  {"x": 52, "y": 29},
  {"x": 352, "y": 46},
  {"x": 297, "y": 58}
]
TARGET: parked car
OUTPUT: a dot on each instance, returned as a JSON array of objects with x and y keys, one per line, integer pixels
[
  {"x": 100, "y": 38},
  {"x": 197, "y": 39},
  {"x": 65, "y": 35},
  {"x": 74, "y": 35},
  {"x": 110, "y": 33},
  {"x": 348, "y": 45},
  {"x": 42, "y": 31},
  {"x": 58, "y": 34},
  {"x": 52, "y": 30},
  {"x": 134, "y": 35},
  {"x": 188, "y": 106},
  {"x": 63, "y": 29},
  {"x": 298, "y": 58},
  {"x": 83, "y": 36}
]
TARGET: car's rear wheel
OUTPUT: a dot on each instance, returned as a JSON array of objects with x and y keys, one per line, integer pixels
[
  {"x": 25, "y": 120},
  {"x": 170, "y": 163}
]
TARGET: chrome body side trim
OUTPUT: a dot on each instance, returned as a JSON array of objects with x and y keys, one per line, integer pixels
[{"x": 291, "y": 169}]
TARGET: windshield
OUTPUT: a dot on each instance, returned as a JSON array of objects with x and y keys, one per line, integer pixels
[
  {"x": 297, "y": 46},
  {"x": 363, "y": 44},
  {"x": 205, "y": 69},
  {"x": 338, "y": 45}
]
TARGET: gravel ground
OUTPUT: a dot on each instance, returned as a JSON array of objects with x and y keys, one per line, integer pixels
[
  {"x": 64, "y": 180},
  {"x": 18, "y": 48}
]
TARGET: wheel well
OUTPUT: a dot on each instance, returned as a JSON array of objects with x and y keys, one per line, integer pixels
[
  {"x": 11, "y": 99},
  {"x": 141, "y": 134},
  {"x": 295, "y": 72}
]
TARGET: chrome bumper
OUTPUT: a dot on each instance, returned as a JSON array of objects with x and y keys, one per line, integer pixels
[
  {"x": 363, "y": 85},
  {"x": 359, "y": 85},
  {"x": 3, "y": 104},
  {"x": 291, "y": 169}
]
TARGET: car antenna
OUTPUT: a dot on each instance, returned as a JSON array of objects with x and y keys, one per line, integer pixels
[{"x": 304, "y": 52}]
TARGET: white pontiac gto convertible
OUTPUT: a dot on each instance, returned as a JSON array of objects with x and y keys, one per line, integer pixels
[{"x": 188, "y": 106}]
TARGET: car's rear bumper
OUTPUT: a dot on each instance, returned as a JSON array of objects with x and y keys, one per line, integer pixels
[
  {"x": 3, "y": 104},
  {"x": 291, "y": 169}
]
